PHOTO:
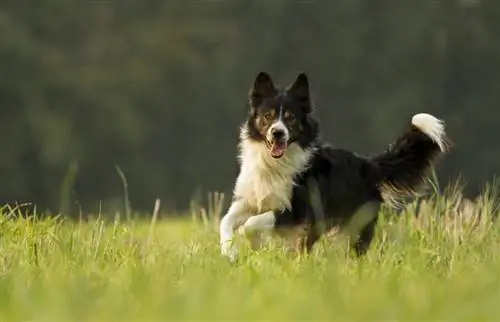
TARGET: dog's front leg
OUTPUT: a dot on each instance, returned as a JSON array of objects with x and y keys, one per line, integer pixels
[
  {"x": 258, "y": 223},
  {"x": 236, "y": 214}
]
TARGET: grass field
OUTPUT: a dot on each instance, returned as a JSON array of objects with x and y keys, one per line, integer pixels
[{"x": 442, "y": 266}]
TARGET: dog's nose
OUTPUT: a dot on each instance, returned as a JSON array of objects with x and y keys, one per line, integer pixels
[{"x": 278, "y": 134}]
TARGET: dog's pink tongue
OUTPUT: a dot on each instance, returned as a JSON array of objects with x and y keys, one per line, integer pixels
[{"x": 278, "y": 149}]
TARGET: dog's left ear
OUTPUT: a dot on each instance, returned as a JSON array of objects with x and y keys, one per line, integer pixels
[
  {"x": 300, "y": 90},
  {"x": 263, "y": 87}
]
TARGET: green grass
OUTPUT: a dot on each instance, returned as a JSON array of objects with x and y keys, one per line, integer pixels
[{"x": 443, "y": 266}]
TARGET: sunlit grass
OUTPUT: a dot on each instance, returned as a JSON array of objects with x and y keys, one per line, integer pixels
[{"x": 442, "y": 265}]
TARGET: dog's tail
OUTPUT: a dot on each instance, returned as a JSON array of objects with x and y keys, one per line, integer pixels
[{"x": 405, "y": 165}]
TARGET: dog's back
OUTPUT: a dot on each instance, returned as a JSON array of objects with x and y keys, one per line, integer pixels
[{"x": 352, "y": 188}]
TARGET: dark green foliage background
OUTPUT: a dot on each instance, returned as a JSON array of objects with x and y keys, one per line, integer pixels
[{"x": 159, "y": 88}]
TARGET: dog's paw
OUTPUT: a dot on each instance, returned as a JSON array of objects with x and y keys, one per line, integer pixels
[
  {"x": 229, "y": 251},
  {"x": 242, "y": 230}
]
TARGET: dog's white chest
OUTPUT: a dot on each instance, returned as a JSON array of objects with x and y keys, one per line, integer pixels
[
  {"x": 264, "y": 191},
  {"x": 265, "y": 183}
]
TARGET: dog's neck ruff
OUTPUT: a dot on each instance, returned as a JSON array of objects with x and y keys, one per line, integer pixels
[{"x": 265, "y": 183}]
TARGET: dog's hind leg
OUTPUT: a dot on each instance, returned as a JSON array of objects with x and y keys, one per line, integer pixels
[
  {"x": 365, "y": 238},
  {"x": 361, "y": 227}
]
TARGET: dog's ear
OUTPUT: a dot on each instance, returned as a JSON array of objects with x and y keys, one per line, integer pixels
[
  {"x": 300, "y": 90},
  {"x": 263, "y": 87}
]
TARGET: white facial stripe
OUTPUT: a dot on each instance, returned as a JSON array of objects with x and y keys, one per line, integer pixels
[
  {"x": 282, "y": 124},
  {"x": 281, "y": 113},
  {"x": 278, "y": 125}
]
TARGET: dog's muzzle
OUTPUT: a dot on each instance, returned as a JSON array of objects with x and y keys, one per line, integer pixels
[{"x": 277, "y": 139}]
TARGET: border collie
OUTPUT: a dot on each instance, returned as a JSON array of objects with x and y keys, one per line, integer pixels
[{"x": 284, "y": 164}]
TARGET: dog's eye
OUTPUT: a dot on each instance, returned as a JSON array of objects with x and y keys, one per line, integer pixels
[
  {"x": 267, "y": 116},
  {"x": 290, "y": 118}
]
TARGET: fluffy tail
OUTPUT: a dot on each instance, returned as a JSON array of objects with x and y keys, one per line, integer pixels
[{"x": 405, "y": 165}]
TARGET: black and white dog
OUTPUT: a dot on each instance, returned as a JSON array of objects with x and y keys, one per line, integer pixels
[{"x": 280, "y": 150}]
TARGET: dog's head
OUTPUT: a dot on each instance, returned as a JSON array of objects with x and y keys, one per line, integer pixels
[{"x": 281, "y": 118}]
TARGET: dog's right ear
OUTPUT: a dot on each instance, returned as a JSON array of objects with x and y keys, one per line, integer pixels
[
  {"x": 263, "y": 87},
  {"x": 300, "y": 90}
]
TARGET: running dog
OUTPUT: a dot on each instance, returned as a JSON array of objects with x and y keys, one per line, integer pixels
[{"x": 280, "y": 151}]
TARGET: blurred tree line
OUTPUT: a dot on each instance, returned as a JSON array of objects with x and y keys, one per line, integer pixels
[{"x": 159, "y": 88}]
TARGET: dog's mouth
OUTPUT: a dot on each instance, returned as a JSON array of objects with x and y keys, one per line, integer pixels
[{"x": 277, "y": 148}]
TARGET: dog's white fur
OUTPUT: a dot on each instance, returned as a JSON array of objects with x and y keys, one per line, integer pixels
[
  {"x": 432, "y": 127},
  {"x": 258, "y": 223},
  {"x": 264, "y": 185}
]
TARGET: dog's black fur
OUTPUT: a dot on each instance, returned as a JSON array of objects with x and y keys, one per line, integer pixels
[{"x": 347, "y": 182}]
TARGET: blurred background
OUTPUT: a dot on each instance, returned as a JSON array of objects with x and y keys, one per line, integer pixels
[{"x": 92, "y": 92}]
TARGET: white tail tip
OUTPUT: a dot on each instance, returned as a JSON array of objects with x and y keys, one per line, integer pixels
[{"x": 432, "y": 127}]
